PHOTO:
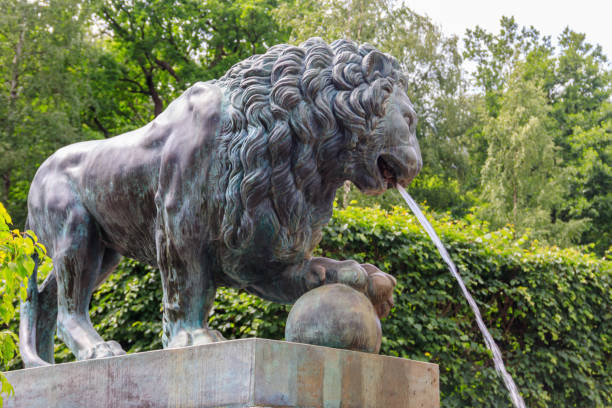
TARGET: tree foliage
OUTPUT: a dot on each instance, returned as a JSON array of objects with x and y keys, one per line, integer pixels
[
  {"x": 589, "y": 183},
  {"x": 520, "y": 179},
  {"x": 162, "y": 47},
  {"x": 496, "y": 56},
  {"x": 582, "y": 109},
  {"x": 576, "y": 82},
  {"x": 41, "y": 50}
]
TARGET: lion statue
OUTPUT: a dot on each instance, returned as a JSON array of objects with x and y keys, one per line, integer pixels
[{"x": 229, "y": 186}]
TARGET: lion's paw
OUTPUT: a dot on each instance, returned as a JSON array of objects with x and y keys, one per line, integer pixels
[
  {"x": 181, "y": 339},
  {"x": 206, "y": 336},
  {"x": 351, "y": 273},
  {"x": 195, "y": 337},
  {"x": 104, "y": 349},
  {"x": 379, "y": 289}
]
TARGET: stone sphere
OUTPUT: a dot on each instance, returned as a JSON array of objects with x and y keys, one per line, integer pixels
[{"x": 337, "y": 316}]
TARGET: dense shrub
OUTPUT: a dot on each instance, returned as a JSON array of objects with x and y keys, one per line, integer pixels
[{"x": 548, "y": 309}]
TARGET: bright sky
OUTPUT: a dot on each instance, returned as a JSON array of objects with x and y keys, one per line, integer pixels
[{"x": 550, "y": 17}]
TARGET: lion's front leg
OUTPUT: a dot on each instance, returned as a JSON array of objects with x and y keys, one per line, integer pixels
[
  {"x": 188, "y": 293},
  {"x": 312, "y": 273},
  {"x": 188, "y": 296},
  {"x": 181, "y": 244}
]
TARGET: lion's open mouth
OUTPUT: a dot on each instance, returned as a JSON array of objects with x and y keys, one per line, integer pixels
[{"x": 387, "y": 172}]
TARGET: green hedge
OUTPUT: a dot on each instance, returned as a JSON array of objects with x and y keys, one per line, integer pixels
[{"x": 548, "y": 309}]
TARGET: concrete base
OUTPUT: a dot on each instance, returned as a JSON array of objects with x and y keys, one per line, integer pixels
[{"x": 238, "y": 373}]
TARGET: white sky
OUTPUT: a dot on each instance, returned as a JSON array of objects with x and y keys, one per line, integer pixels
[{"x": 550, "y": 17}]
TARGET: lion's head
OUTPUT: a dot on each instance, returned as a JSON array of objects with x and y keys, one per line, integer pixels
[
  {"x": 376, "y": 118},
  {"x": 300, "y": 121}
]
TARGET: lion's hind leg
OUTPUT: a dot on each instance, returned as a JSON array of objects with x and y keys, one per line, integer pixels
[{"x": 80, "y": 263}]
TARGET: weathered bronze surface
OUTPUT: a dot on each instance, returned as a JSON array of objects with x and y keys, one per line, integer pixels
[
  {"x": 230, "y": 185},
  {"x": 337, "y": 316}
]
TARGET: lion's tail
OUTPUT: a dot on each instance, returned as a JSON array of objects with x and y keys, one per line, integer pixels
[{"x": 38, "y": 316}]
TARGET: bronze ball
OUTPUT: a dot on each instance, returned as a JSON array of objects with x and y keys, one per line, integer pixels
[{"x": 336, "y": 316}]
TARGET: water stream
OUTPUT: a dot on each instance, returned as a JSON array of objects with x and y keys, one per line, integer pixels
[{"x": 516, "y": 398}]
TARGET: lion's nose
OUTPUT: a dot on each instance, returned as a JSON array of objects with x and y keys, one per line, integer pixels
[{"x": 412, "y": 161}]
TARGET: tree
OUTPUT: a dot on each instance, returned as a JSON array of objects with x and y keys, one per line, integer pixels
[
  {"x": 160, "y": 48},
  {"x": 582, "y": 85},
  {"x": 520, "y": 178},
  {"x": 580, "y": 99},
  {"x": 42, "y": 46},
  {"x": 589, "y": 183},
  {"x": 577, "y": 84},
  {"x": 359, "y": 20},
  {"x": 496, "y": 57}
]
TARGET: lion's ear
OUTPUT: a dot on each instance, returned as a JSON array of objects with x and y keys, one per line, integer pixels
[{"x": 376, "y": 65}]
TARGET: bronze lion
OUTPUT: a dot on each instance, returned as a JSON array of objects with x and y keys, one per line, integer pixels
[{"x": 230, "y": 185}]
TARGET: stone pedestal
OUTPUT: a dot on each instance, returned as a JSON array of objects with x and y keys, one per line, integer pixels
[{"x": 238, "y": 373}]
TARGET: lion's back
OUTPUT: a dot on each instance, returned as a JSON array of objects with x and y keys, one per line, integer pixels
[{"x": 116, "y": 179}]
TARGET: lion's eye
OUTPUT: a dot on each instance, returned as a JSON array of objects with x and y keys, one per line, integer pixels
[{"x": 410, "y": 117}]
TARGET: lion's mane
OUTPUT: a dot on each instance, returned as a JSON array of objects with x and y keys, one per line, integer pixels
[{"x": 291, "y": 113}]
